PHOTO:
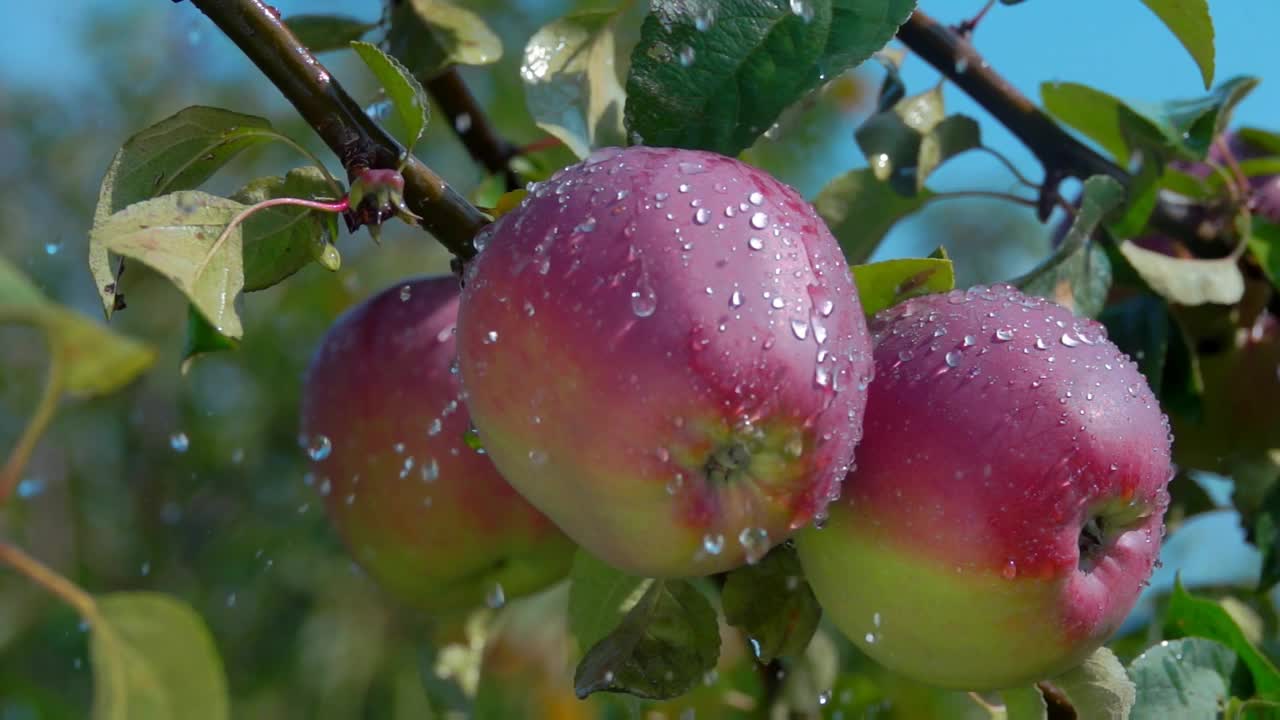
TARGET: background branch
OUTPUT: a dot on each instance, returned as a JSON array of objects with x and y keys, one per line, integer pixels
[
  {"x": 1059, "y": 152},
  {"x": 357, "y": 140},
  {"x": 468, "y": 120}
]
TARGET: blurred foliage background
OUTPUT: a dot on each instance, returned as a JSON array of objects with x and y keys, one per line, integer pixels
[{"x": 194, "y": 484}]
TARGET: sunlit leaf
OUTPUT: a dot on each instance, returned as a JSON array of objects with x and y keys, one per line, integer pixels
[
  {"x": 599, "y": 597},
  {"x": 402, "y": 88},
  {"x": 95, "y": 360},
  {"x": 1099, "y": 687},
  {"x": 1190, "y": 22},
  {"x": 1024, "y": 703},
  {"x": 176, "y": 235},
  {"x": 431, "y": 35},
  {"x": 154, "y": 659},
  {"x": 573, "y": 71},
  {"x": 177, "y": 153},
  {"x": 279, "y": 241}
]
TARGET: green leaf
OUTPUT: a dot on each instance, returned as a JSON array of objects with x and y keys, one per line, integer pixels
[
  {"x": 1140, "y": 327},
  {"x": 773, "y": 604},
  {"x": 428, "y": 36},
  {"x": 96, "y": 361},
  {"x": 176, "y": 234},
  {"x": 1264, "y": 243},
  {"x": 279, "y": 241},
  {"x": 715, "y": 74},
  {"x": 1098, "y": 687},
  {"x": 1179, "y": 679},
  {"x": 954, "y": 135},
  {"x": 860, "y": 210},
  {"x": 322, "y": 33},
  {"x": 599, "y": 597},
  {"x": 1266, "y": 537},
  {"x": 402, "y": 88},
  {"x": 1191, "y": 24},
  {"x": 177, "y": 153},
  {"x": 1025, "y": 703},
  {"x": 573, "y": 73},
  {"x": 154, "y": 659},
  {"x": 1180, "y": 128},
  {"x": 662, "y": 649},
  {"x": 202, "y": 339},
  {"x": 887, "y": 283},
  {"x": 1187, "y": 615},
  {"x": 1078, "y": 274}
]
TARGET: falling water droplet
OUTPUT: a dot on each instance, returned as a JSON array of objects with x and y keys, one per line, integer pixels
[
  {"x": 319, "y": 448},
  {"x": 496, "y": 597},
  {"x": 179, "y": 442}
]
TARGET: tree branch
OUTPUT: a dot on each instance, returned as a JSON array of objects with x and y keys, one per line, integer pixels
[
  {"x": 357, "y": 140},
  {"x": 1059, "y": 152},
  {"x": 471, "y": 124}
]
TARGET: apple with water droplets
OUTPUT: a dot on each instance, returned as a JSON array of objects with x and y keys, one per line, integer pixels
[
  {"x": 428, "y": 517},
  {"x": 664, "y": 351},
  {"x": 1008, "y": 501}
]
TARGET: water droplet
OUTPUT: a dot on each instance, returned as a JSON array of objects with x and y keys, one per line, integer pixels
[
  {"x": 179, "y": 442},
  {"x": 52, "y": 248},
  {"x": 759, "y": 220},
  {"x": 1009, "y": 571},
  {"x": 713, "y": 544},
  {"x": 735, "y": 300},
  {"x": 1070, "y": 340},
  {"x": 952, "y": 359},
  {"x": 319, "y": 448},
  {"x": 824, "y": 697},
  {"x": 30, "y": 487},
  {"x": 496, "y": 597},
  {"x": 755, "y": 541},
  {"x": 686, "y": 56},
  {"x": 777, "y": 303},
  {"x": 755, "y": 243},
  {"x": 800, "y": 329},
  {"x": 702, "y": 216},
  {"x": 1004, "y": 335},
  {"x": 803, "y": 9},
  {"x": 643, "y": 299},
  {"x": 1041, "y": 344}
]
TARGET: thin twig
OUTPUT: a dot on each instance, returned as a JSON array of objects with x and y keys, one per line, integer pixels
[
  {"x": 47, "y": 406},
  {"x": 47, "y": 578},
  {"x": 359, "y": 142}
]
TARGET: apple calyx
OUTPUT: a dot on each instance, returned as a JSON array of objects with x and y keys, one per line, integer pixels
[{"x": 1104, "y": 525}]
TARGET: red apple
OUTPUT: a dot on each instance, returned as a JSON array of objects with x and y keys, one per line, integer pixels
[
  {"x": 427, "y": 516},
  {"x": 1007, "y": 506},
  {"x": 664, "y": 351}
]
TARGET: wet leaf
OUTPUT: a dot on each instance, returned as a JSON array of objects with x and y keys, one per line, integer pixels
[
  {"x": 599, "y": 597},
  {"x": 1188, "y": 678},
  {"x": 1190, "y": 22},
  {"x": 154, "y": 659},
  {"x": 176, "y": 235},
  {"x": 663, "y": 647},
  {"x": 887, "y": 283},
  {"x": 402, "y": 88},
  {"x": 1187, "y": 615},
  {"x": 1099, "y": 687},
  {"x": 860, "y": 210},
  {"x": 180, "y": 152},
  {"x": 322, "y": 33},
  {"x": 906, "y": 143},
  {"x": 428, "y": 36},
  {"x": 281, "y": 240},
  {"x": 96, "y": 360},
  {"x": 772, "y": 603},
  {"x": 573, "y": 71},
  {"x": 1078, "y": 274},
  {"x": 716, "y": 74}
]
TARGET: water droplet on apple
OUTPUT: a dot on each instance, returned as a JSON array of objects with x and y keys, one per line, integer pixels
[{"x": 713, "y": 544}]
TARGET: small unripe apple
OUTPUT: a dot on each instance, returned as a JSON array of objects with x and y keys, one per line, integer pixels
[
  {"x": 664, "y": 351},
  {"x": 1007, "y": 505},
  {"x": 427, "y": 516}
]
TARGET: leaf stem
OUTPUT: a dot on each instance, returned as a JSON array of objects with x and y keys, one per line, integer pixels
[
  {"x": 44, "y": 576},
  {"x": 1004, "y": 160},
  {"x": 332, "y": 207},
  {"x": 359, "y": 142},
  {"x": 44, "y": 412}
]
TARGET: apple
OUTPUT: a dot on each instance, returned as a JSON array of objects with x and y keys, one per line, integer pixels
[
  {"x": 664, "y": 351},
  {"x": 428, "y": 517},
  {"x": 1007, "y": 505}
]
